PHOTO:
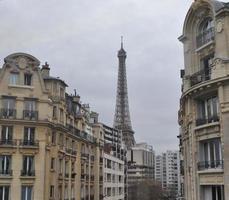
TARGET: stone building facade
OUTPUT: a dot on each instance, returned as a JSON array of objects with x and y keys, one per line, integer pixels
[
  {"x": 204, "y": 107},
  {"x": 51, "y": 145}
]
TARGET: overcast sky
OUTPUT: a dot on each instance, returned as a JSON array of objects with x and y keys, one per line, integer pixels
[{"x": 80, "y": 40}]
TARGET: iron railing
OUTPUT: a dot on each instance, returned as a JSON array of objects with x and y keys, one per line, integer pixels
[
  {"x": 8, "y": 142},
  {"x": 6, "y": 172},
  {"x": 33, "y": 143},
  {"x": 8, "y": 113},
  {"x": 202, "y": 121},
  {"x": 215, "y": 164},
  {"x": 30, "y": 114},
  {"x": 27, "y": 172},
  {"x": 200, "y": 76}
]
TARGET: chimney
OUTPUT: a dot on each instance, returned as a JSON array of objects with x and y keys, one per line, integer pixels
[{"x": 45, "y": 70}]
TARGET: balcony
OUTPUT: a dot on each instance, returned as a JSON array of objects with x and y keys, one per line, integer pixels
[
  {"x": 29, "y": 143},
  {"x": 205, "y": 37},
  {"x": 6, "y": 172},
  {"x": 28, "y": 173},
  {"x": 202, "y": 121},
  {"x": 205, "y": 165},
  {"x": 200, "y": 76},
  {"x": 30, "y": 115},
  {"x": 8, "y": 143},
  {"x": 8, "y": 113}
]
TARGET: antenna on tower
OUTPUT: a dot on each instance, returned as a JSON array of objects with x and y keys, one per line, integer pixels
[{"x": 121, "y": 41}]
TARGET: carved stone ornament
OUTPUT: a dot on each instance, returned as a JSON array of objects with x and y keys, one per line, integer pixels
[
  {"x": 219, "y": 26},
  {"x": 22, "y": 63}
]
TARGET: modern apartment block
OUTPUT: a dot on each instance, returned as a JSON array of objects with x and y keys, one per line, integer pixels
[
  {"x": 204, "y": 107},
  {"x": 167, "y": 171},
  {"x": 140, "y": 163},
  {"x": 114, "y": 164},
  {"x": 51, "y": 145}
]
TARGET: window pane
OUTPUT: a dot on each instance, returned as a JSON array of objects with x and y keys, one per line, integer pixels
[{"x": 13, "y": 79}]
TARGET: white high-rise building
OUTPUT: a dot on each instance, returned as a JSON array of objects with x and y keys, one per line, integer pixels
[
  {"x": 114, "y": 165},
  {"x": 167, "y": 171}
]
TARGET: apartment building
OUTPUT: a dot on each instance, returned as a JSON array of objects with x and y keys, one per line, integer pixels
[
  {"x": 114, "y": 164},
  {"x": 204, "y": 108},
  {"x": 167, "y": 172},
  {"x": 50, "y": 144},
  {"x": 140, "y": 163}
]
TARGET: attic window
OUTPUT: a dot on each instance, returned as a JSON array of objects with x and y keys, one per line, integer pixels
[
  {"x": 27, "y": 79},
  {"x": 206, "y": 32}
]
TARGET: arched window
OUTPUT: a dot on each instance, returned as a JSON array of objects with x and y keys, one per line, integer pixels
[{"x": 206, "y": 32}]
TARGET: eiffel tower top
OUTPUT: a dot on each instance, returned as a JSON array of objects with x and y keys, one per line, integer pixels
[{"x": 122, "y": 52}]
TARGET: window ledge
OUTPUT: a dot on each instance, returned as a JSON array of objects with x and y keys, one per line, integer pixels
[
  {"x": 213, "y": 170},
  {"x": 206, "y": 125},
  {"x": 204, "y": 46},
  {"x": 21, "y": 86}
]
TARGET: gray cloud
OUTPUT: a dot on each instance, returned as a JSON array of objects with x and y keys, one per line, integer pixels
[{"x": 80, "y": 40}]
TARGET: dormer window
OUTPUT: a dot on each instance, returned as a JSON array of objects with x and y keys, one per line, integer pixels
[
  {"x": 206, "y": 32},
  {"x": 27, "y": 79}
]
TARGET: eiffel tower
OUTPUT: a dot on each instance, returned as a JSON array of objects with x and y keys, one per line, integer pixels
[{"x": 122, "y": 119}]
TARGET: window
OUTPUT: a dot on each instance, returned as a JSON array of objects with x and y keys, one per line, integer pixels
[
  {"x": 52, "y": 191},
  {"x": 5, "y": 165},
  {"x": 28, "y": 166},
  {"x": 213, "y": 192},
  {"x": 210, "y": 154},
  {"x": 54, "y": 113},
  {"x": 27, "y": 79},
  {"x": 53, "y": 137},
  {"x": 8, "y": 109},
  {"x": 206, "y": 32},
  {"x": 207, "y": 111},
  {"x": 30, "y": 110},
  {"x": 14, "y": 77},
  {"x": 7, "y": 134},
  {"x": 26, "y": 193},
  {"x": 30, "y": 105},
  {"x": 29, "y": 135},
  {"x": 52, "y": 163},
  {"x": 4, "y": 192},
  {"x": 60, "y": 166}
]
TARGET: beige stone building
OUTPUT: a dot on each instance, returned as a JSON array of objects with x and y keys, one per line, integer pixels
[
  {"x": 51, "y": 145},
  {"x": 204, "y": 104}
]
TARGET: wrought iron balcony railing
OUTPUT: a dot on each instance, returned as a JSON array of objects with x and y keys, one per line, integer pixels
[
  {"x": 205, "y": 37},
  {"x": 7, "y": 113},
  {"x": 27, "y": 172},
  {"x": 8, "y": 142},
  {"x": 215, "y": 164},
  {"x": 200, "y": 76},
  {"x": 6, "y": 172},
  {"x": 30, "y": 114},
  {"x": 33, "y": 143},
  {"x": 202, "y": 121}
]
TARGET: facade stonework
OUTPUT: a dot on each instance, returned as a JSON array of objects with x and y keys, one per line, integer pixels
[
  {"x": 204, "y": 108},
  {"x": 51, "y": 145}
]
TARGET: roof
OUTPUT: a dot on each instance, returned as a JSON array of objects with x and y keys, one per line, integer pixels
[{"x": 56, "y": 79}]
